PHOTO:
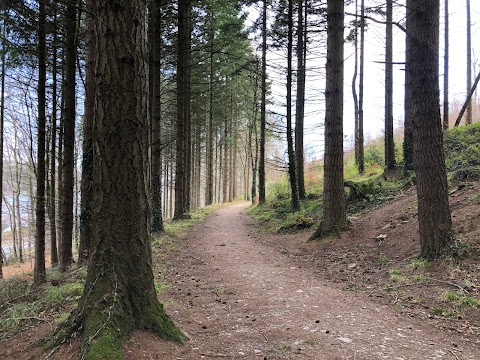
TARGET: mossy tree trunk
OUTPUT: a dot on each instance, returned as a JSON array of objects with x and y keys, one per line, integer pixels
[{"x": 119, "y": 294}]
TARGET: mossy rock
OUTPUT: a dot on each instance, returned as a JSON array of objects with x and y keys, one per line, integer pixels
[{"x": 360, "y": 190}]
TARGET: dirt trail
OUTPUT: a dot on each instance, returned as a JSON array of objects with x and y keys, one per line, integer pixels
[{"x": 237, "y": 296}]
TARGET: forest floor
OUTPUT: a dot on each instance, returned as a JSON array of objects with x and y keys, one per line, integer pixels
[{"x": 238, "y": 292}]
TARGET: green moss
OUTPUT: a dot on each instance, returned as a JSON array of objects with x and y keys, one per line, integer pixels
[
  {"x": 66, "y": 292},
  {"x": 157, "y": 321},
  {"x": 107, "y": 345}
]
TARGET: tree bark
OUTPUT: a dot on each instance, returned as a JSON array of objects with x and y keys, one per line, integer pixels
[
  {"x": 408, "y": 106},
  {"x": 155, "y": 118},
  {"x": 182, "y": 107},
  {"x": 300, "y": 104},
  {"x": 52, "y": 196},
  {"x": 435, "y": 224},
  {"x": 361, "y": 157},
  {"x": 66, "y": 256},
  {"x": 468, "y": 119},
  {"x": 334, "y": 217},
  {"x": 446, "y": 57},
  {"x": 389, "y": 143},
  {"x": 354, "y": 92},
  {"x": 209, "y": 157},
  {"x": 87, "y": 157},
  {"x": 119, "y": 294},
  {"x": 39, "y": 273},
  {"x": 2, "y": 121},
  {"x": 291, "y": 153},
  {"x": 263, "y": 110}
]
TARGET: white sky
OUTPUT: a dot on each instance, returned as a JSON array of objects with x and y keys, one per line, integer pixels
[{"x": 374, "y": 74}]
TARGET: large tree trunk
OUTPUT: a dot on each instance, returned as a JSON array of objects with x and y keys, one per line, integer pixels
[
  {"x": 446, "y": 71},
  {"x": 87, "y": 157},
  {"x": 334, "y": 217},
  {"x": 291, "y": 153},
  {"x": 119, "y": 294},
  {"x": 300, "y": 104},
  {"x": 263, "y": 111},
  {"x": 66, "y": 256},
  {"x": 435, "y": 224},
  {"x": 155, "y": 78},
  {"x": 389, "y": 144},
  {"x": 39, "y": 274}
]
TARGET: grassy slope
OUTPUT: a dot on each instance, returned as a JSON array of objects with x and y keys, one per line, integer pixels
[{"x": 462, "y": 148}]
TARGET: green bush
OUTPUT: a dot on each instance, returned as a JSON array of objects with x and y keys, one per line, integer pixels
[{"x": 462, "y": 147}]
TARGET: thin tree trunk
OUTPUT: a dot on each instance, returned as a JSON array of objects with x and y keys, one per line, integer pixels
[
  {"x": 52, "y": 196},
  {"x": 234, "y": 160},
  {"x": 39, "y": 273},
  {"x": 18, "y": 180},
  {"x": 60, "y": 193},
  {"x": 230, "y": 153},
  {"x": 468, "y": 100},
  {"x": 300, "y": 105},
  {"x": 468, "y": 119},
  {"x": 408, "y": 106},
  {"x": 188, "y": 118},
  {"x": 2, "y": 121},
  {"x": 218, "y": 168},
  {"x": 155, "y": 118},
  {"x": 87, "y": 157},
  {"x": 446, "y": 58},
  {"x": 361, "y": 157},
  {"x": 209, "y": 185},
  {"x": 263, "y": 112},
  {"x": 182, "y": 108},
  {"x": 354, "y": 93},
  {"x": 225, "y": 161},
  {"x": 198, "y": 167},
  {"x": 389, "y": 144},
  {"x": 66, "y": 256},
  {"x": 171, "y": 187},
  {"x": 290, "y": 150}
]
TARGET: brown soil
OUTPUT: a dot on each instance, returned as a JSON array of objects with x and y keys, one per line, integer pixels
[
  {"x": 24, "y": 269},
  {"x": 239, "y": 293}
]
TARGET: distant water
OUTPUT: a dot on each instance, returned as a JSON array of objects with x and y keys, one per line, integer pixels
[{"x": 24, "y": 206}]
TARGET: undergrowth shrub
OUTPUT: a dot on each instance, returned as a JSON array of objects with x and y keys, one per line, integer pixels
[{"x": 462, "y": 148}]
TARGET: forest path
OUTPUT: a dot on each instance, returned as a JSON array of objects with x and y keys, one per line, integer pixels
[{"x": 239, "y": 296}]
